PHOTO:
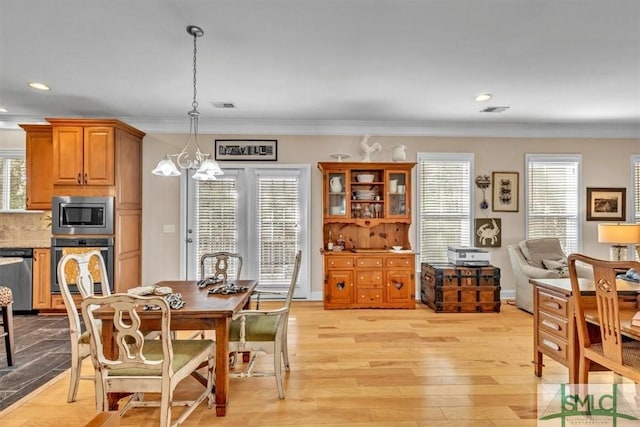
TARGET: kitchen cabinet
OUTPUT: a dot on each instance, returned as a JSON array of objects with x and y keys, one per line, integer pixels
[
  {"x": 83, "y": 155},
  {"x": 41, "y": 278},
  {"x": 39, "y": 173},
  {"x": 366, "y": 212},
  {"x": 97, "y": 157}
]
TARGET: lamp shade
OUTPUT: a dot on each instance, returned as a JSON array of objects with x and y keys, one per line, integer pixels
[
  {"x": 619, "y": 233},
  {"x": 166, "y": 167}
]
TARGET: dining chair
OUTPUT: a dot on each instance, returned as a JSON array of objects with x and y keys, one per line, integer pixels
[
  {"x": 6, "y": 306},
  {"x": 142, "y": 365},
  {"x": 265, "y": 331},
  {"x": 80, "y": 270},
  {"x": 220, "y": 265},
  {"x": 607, "y": 349}
]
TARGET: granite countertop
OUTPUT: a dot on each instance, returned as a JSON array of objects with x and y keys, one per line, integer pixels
[
  {"x": 25, "y": 243},
  {"x": 5, "y": 261}
]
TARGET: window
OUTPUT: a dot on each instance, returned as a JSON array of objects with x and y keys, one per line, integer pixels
[
  {"x": 445, "y": 200},
  {"x": 13, "y": 180},
  {"x": 635, "y": 185},
  {"x": 553, "y": 198},
  {"x": 635, "y": 172},
  {"x": 261, "y": 213}
]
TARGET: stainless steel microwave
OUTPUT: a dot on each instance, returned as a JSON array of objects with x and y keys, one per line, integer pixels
[{"x": 82, "y": 215}]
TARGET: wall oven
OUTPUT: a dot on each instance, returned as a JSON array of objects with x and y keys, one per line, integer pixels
[
  {"x": 61, "y": 246},
  {"x": 82, "y": 215}
]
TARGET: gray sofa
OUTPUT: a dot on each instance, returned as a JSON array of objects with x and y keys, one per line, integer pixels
[{"x": 538, "y": 259}]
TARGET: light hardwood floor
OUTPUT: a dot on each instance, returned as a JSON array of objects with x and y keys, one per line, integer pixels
[{"x": 400, "y": 368}]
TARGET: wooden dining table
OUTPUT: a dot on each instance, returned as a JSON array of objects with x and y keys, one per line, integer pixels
[{"x": 202, "y": 311}]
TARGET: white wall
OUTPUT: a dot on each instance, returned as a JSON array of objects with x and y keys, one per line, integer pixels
[{"x": 605, "y": 164}]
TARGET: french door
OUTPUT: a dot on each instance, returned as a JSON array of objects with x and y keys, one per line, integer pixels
[{"x": 261, "y": 213}]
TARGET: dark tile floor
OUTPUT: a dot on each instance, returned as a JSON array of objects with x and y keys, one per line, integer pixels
[{"x": 42, "y": 353}]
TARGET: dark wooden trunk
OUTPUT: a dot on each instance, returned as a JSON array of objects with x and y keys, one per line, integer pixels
[{"x": 448, "y": 288}]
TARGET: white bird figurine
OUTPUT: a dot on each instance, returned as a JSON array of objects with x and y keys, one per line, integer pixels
[{"x": 368, "y": 149}]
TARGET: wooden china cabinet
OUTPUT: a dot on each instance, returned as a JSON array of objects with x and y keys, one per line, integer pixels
[{"x": 366, "y": 213}]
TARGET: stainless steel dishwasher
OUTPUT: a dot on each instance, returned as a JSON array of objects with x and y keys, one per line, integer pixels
[{"x": 18, "y": 277}]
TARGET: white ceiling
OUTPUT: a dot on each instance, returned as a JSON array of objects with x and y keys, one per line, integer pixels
[{"x": 399, "y": 67}]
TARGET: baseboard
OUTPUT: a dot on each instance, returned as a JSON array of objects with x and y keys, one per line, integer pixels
[{"x": 504, "y": 295}]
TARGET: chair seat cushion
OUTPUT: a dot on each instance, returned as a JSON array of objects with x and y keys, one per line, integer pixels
[
  {"x": 630, "y": 353},
  {"x": 6, "y": 296},
  {"x": 257, "y": 328},
  {"x": 184, "y": 351}
]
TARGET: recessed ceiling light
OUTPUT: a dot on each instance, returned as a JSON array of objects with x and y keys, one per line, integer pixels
[
  {"x": 3, "y": 110},
  {"x": 483, "y": 97},
  {"x": 39, "y": 86}
]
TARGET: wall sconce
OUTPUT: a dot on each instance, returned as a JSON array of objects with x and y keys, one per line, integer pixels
[{"x": 620, "y": 235}]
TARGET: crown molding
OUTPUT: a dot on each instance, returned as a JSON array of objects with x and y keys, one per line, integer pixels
[{"x": 352, "y": 127}]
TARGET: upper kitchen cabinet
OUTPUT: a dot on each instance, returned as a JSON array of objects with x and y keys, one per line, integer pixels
[
  {"x": 83, "y": 155},
  {"x": 39, "y": 157},
  {"x": 97, "y": 157}
]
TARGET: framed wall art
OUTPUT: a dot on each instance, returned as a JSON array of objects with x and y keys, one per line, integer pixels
[
  {"x": 606, "y": 204},
  {"x": 488, "y": 233},
  {"x": 246, "y": 149},
  {"x": 505, "y": 192}
]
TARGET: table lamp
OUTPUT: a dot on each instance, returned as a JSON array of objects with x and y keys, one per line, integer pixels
[{"x": 620, "y": 235}]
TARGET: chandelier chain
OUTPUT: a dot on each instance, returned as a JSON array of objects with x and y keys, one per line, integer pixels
[{"x": 194, "y": 104}]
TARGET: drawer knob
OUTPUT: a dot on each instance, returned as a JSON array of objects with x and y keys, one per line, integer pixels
[
  {"x": 553, "y": 304},
  {"x": 551, "y": 325},
  {"x": 551, "y": 344}
]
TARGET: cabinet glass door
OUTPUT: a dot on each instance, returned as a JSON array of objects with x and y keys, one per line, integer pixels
[
  {"x": 398, "y": 192},
  {"x": 337, "y": 194}
]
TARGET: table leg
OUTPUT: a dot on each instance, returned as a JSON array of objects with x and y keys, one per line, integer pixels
[{"x": 222, "y": 326}]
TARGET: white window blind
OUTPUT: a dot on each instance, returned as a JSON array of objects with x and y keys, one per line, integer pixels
[
  {"x": 13, "y": 182},
  {"x": 553, "y": 199},
  {"x": 216, "y": 216},
  {"x": 635, "y": 166},
  {"x": 278, "y": 226},
  {"x": 260, "y": 213},
  {"x": 444, "y": 200}
]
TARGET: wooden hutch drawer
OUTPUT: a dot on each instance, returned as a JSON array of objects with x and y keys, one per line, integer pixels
[
  {"x": 369, "y": 262},
  {"x": 552, "y": 303},
  {"x": 553, "y": 325},
  {"x": 550, "y": 344},
  {"x": 373, "y": 277},
  {"x": 339, "y": 262},
  {"x": 369, "y": 295},
  {"x": 396, "y": 261}
]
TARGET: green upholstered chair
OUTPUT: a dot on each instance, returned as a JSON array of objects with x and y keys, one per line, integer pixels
[
  {"x": 142, "y": 365},
  {"x": 265, "y": 331}
]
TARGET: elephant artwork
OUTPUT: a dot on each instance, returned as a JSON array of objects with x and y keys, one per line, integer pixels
[{"x": 488, "y": 233}]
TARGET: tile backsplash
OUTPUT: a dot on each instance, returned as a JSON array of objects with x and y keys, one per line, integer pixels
[{"x": 25, "y": 226}]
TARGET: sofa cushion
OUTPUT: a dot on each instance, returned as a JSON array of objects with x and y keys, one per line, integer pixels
[
  {"x": 559, "y": 265},
  {"x": 535, "y": 250}
]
